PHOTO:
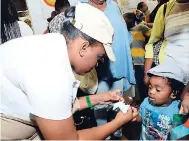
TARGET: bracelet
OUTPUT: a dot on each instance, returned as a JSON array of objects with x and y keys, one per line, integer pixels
[{"x": 89, "y": 102}]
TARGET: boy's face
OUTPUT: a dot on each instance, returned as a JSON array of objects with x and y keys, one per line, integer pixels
[
  {"x": 144, "y": 8},
  {"x": 159, "y": 91}
]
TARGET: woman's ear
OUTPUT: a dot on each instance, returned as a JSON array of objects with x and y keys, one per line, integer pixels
[{"x": 83, "y": 48}]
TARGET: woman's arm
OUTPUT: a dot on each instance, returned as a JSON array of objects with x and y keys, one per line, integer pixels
[
  {"x": 147, "y": 65},
  {"x": 185, "y": 93},
  {"x": 65, "y": 129},
  {"x": 157, "y": 30},
  {"x": 105, "y": 98},
  {"x": 185, "y": 101}
]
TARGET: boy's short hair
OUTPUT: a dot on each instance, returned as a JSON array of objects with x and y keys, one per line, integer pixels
[
  {"x": 60, "y": 4},
  {"x": 140, "y": 5}
]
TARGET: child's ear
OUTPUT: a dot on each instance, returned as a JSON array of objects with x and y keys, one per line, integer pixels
[{"x": 173, "y": 96}]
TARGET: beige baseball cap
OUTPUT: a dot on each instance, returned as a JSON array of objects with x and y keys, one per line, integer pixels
[{"x": 95, "y": 24}]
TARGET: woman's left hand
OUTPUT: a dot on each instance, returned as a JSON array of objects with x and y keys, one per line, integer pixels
[{"x": 111, "y": 96}]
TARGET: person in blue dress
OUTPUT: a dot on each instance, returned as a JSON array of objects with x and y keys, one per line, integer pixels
[{"x": 118, "y": 74}]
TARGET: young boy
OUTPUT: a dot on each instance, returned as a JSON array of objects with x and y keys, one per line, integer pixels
[
  {"x": 142, "y": 12},
  {"x": 156, "y": 111},
  {"x": 140, "y": 34}
]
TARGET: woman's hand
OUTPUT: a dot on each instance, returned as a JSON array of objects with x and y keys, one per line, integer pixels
[
  {"x": 111, "y": 96},
  {"x": 131, "y": 114},
  {"x": 146, "y": 79},
  {"x": 184, "y": 109}
]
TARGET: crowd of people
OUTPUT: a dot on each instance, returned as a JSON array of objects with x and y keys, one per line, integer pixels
[{"x": 90, "y": 56}]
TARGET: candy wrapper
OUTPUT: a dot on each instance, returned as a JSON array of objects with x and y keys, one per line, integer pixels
[{"x": 122, "y": 106}]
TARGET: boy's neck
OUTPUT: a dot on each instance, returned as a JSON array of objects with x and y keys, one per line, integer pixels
[{"x": 164, "y": 105}]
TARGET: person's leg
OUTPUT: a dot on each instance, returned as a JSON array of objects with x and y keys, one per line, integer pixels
[{"x": 139, "y": 75}]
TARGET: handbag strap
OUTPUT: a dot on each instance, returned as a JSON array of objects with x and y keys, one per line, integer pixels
[
  {"x": 164, "y": 9},
  {"x": 164, "y": 12}
]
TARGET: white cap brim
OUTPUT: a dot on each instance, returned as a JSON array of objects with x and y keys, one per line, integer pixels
[{"x": 109, "y": 52}]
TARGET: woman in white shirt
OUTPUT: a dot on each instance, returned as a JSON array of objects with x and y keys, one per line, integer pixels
[{"x": 38, "y": 87}]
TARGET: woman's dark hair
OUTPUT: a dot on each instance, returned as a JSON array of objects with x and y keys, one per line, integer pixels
[
  {"x": 176, "y": 86},
  {"x": 140, "y": 5},
  {"x": 9, "y": 25},
  {"x": 61, "y": 4},
  {"x": 70, "y": 31}
]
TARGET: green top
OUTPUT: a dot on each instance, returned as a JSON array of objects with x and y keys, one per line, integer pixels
[{"x": 177, "y": 117}]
